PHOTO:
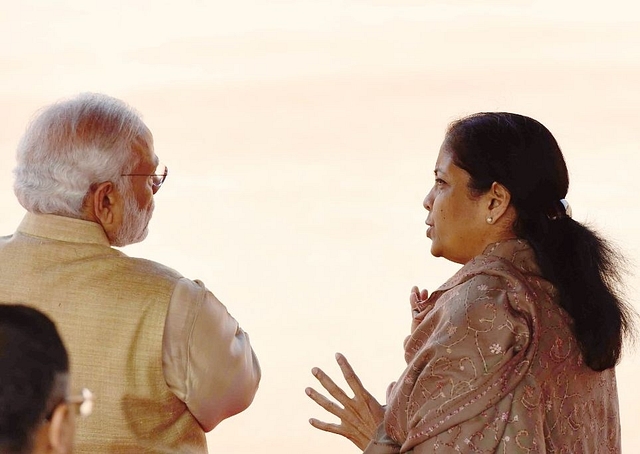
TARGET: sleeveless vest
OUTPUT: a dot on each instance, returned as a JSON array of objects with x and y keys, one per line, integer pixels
[{"x": 110, "y": 310}]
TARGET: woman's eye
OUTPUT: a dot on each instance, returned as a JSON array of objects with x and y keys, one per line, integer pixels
[{"x": 439, "y": 181}]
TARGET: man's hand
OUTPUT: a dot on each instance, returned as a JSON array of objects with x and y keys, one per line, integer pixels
[{"x": 359, "y": 416}]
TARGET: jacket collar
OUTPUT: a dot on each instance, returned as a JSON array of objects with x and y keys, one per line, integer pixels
[{"x": 62, "y": 228}]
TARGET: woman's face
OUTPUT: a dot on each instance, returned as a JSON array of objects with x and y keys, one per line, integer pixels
[{"x": 457, "y": 221}]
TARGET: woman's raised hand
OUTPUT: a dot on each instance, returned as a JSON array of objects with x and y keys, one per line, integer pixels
[
  {"x": 359, "y": 416},
  {"x": 417, "y": 298}
]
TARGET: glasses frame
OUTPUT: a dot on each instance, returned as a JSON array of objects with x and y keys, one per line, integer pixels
[
  {"x": 84, "y": 401},
  {"x": 158, "y": 178}
]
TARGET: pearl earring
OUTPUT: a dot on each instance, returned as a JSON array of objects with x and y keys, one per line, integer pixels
[{"x": 489, "y": 220}]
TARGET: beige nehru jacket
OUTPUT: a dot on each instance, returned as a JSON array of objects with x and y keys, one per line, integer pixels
[{"x": 163, "y": 356}]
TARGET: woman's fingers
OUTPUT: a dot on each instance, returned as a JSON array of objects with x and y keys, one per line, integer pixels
[
  {"x": 361, "y": 395},
  {"x": 349, "y": 375},
  {"x": 328, "y": 384},
  {"x": 417, "y": 300},
  {"x": 325, "y": 403},
  {"x": 345, "y": 414},
  {"x": 359, "y": 416},
  {"x": 327, "y": 427},
  {"x": 355, "y": 436},
  {"x": 414, "y": 297}
]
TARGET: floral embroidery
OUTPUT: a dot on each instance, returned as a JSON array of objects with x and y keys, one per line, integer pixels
[{"x": 497, "y": 362}]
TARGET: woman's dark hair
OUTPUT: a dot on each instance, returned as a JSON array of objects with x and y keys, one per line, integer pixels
[
  {"x": 31, "y": 355},
  {"x": 522, "y": 155}
]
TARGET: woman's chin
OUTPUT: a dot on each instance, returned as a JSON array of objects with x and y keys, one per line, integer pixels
[{"x": 435, "y": 250}]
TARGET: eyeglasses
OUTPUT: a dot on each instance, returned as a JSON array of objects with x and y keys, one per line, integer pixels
[
  {"x": 157, "y": 178},
  {"x": 82, "y": 402}
]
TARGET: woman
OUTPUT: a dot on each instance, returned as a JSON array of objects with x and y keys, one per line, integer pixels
[{"x": 516, "y": 352}]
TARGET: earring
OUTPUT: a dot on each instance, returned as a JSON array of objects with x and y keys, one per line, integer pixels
[{"x": 489, "y": 220}]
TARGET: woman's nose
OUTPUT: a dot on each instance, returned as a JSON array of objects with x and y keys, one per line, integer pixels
[{"x": 427, "y": 203}]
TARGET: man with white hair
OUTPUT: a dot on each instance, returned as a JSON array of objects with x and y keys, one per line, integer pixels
[{"x": 164, "y": 357}]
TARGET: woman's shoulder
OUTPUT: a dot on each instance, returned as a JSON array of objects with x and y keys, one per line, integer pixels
[
  {"x": 502, "y": 264},
  {"x": 507, "y": 281}
]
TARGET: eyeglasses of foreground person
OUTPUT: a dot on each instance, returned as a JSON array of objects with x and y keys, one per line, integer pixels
[
  {"x": 83, "y": 404},
  {"x": 157, "y": 178}
]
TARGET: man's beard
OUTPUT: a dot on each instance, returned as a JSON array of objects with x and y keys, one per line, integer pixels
[{"x": 135, "y": 223}]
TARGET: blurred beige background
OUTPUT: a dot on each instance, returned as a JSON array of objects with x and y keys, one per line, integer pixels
[{"x": 301, "y": 138}]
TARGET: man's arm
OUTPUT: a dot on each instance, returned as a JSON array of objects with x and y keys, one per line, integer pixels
[{"x": 208, "y": 361}]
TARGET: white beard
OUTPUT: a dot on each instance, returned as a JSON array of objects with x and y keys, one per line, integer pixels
[{"x": 135, "y": 225}]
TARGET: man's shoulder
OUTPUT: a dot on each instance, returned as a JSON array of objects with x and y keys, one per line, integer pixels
[
  {"x": 124, "y": 275},
  {"x": 144, "y": 267},
  {"x": 5, "y": 238}
]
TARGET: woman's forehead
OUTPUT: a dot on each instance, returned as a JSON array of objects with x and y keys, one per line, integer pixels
[{"x": 444, "y": 161}]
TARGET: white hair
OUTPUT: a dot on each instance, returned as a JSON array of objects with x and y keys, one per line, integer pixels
[{"x": 72, "y": 145}]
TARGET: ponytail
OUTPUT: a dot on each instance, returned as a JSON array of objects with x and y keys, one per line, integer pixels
[{"x": 586, "y": 270}]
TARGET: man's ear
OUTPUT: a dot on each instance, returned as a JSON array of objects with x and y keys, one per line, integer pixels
[
  {"x": 499, "y": 200},
  {"x": 61, "y": 429},
  {"x": 103, "y": 199}
]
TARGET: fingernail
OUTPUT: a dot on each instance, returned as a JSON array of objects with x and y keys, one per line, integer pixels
[
  {"x": 314, "y": 371},
  {"x": 307, "y": 391},
  {"x": 338, "y": 356}
]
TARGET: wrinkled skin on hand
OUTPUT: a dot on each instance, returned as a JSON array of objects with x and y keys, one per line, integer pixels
[{"x": 359, "y": 416}]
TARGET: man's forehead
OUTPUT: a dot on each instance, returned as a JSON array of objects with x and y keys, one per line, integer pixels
[
  {"x": 146, "y": 137},
  {"x": 148, "y": 142},
  {"x": 143, "y": 147}
]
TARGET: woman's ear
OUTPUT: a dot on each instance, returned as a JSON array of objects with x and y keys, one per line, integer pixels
[
  {"x": 62, "y": 429},
  {"x": 499, "y": 200}
]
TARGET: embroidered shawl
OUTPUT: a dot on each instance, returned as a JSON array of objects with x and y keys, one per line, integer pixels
[{"x": 493, "y": 366}]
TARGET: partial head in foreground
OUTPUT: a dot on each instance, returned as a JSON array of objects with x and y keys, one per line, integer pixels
[
  {"x": 90, "y": 157},
  {"x": 34, "y": 373},
  {"x": 501, "y": 175}
]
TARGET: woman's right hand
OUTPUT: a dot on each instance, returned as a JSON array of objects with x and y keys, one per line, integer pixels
[{"x": 359, "y": 416}]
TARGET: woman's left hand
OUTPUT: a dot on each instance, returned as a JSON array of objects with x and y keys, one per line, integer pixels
[
  {"x": 417, "y": 299},
  {"x": 359, "y": 416}
]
